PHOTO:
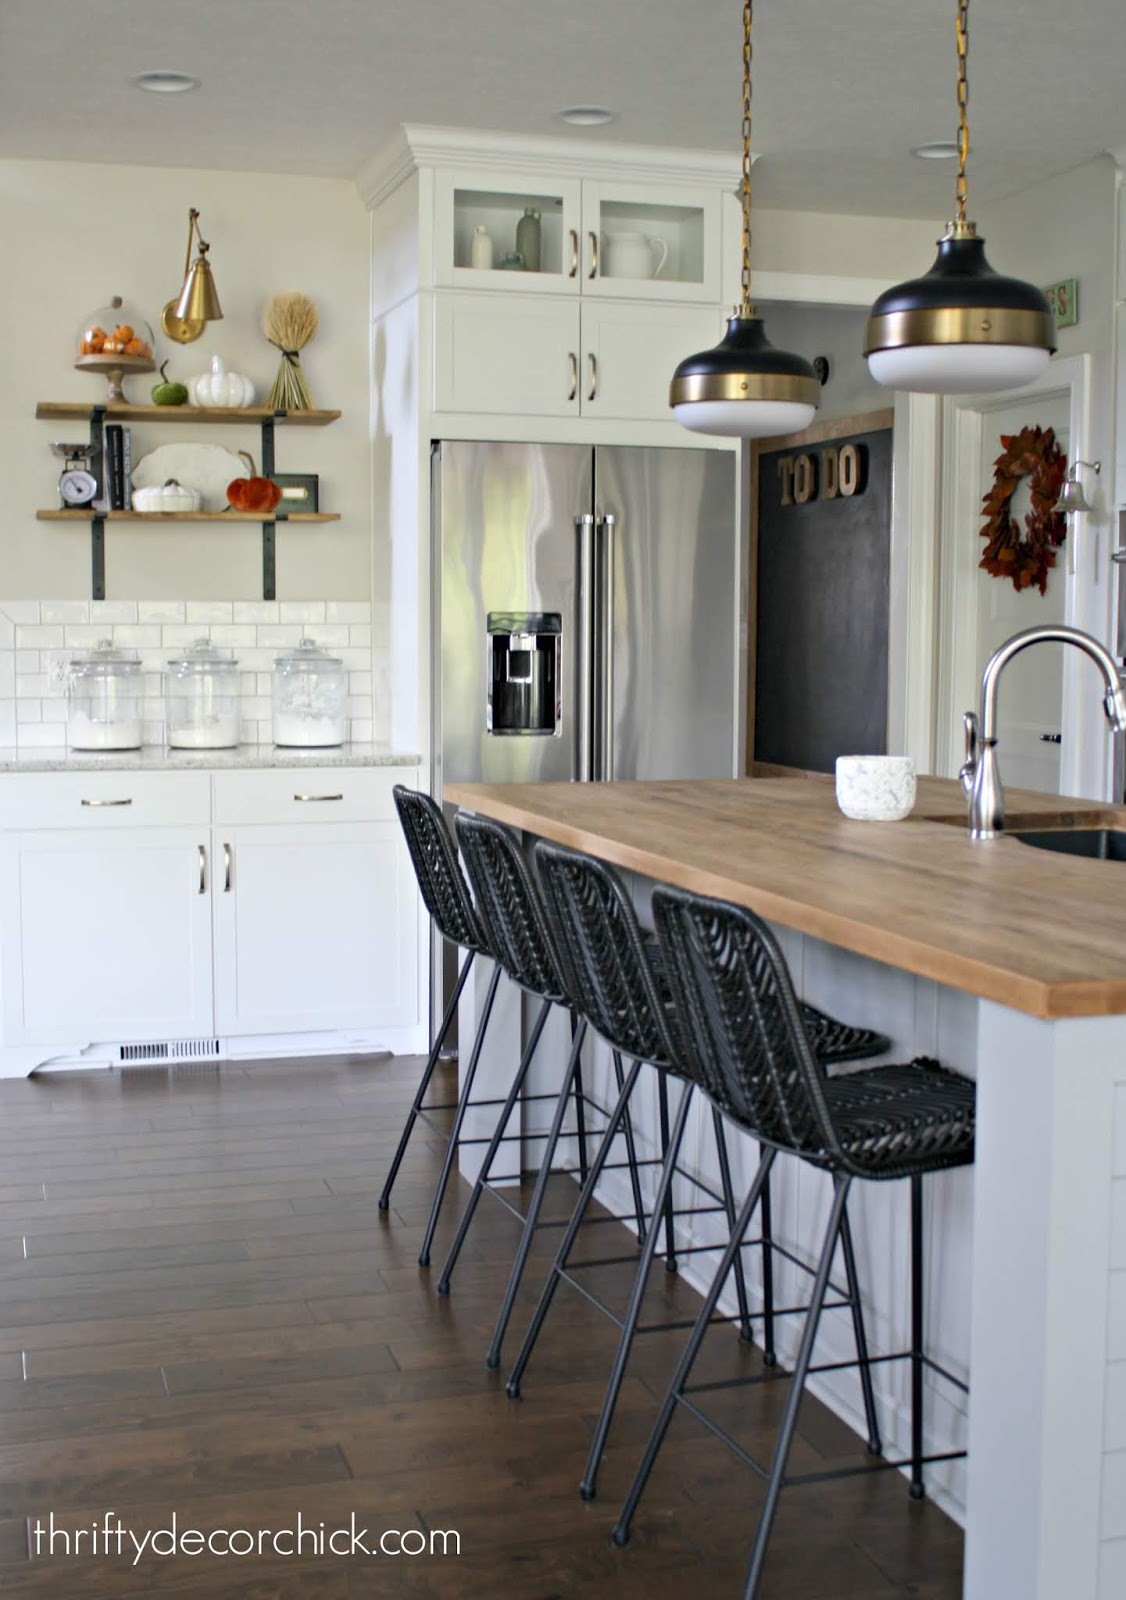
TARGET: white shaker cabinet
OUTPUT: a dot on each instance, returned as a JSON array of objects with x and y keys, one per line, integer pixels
[
  {"x": 171, "y": 915},
  {"x": 548, "y": 357},
  {"x": 314, "y": 928},
  {"x": 106, "y": 934}
]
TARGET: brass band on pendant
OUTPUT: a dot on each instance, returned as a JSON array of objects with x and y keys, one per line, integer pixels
[
  {"x": 775, "y": 386},
  {"x": 946, "y": 325}
]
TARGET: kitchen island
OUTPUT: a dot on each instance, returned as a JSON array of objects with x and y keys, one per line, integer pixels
[{"x": 1008, "y": 963}]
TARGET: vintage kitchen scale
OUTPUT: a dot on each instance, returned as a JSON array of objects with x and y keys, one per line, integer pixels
[{"x": 77, "y": 484}]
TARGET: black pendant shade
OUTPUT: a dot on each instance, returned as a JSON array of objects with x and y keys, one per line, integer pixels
[{"x": 744, "y": 385}]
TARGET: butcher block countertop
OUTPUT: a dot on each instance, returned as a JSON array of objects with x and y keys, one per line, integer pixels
[{"x": 1036, "y": 931}]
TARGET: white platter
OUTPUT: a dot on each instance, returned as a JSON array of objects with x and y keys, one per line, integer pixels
[{"x": 206, "y": 467}]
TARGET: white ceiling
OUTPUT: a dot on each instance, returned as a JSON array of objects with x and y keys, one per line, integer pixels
[{"x": 843, "y": 88}]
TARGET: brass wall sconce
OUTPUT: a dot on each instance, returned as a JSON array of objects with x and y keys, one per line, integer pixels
[{"x": 197, "y": 304}]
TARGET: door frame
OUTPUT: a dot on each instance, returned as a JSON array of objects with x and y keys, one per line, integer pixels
[{"x": 1085, "y": 752}]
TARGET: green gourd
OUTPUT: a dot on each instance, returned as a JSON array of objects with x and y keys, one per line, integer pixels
[{"x": 167, "y": 393}]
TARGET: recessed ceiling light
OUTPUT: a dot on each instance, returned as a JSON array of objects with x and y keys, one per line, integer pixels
[
  {"x": 166, "y": 82},
  {"x": 937, "y": 150},
  {"x": 587, "y": 116}
]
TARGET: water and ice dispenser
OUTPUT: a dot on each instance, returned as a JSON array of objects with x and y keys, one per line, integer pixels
[{"x": 523, "y": 672}]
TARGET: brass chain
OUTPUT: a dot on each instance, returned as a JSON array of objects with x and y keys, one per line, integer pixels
[
  {"x": 745, "y": 187},
  {"x": 962, "y": 31}
]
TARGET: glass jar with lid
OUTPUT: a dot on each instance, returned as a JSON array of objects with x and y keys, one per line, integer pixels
[
  {"x": 104, "y": 695},
  {"x": 310, "y": 689},
  {"x": 201, "y": 698},
  {"x": 114, "y": 341}
]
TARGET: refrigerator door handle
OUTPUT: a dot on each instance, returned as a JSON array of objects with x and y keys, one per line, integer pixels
[
  {"x": 606, "y": 527},
  {"x": 584, "y": 651}
]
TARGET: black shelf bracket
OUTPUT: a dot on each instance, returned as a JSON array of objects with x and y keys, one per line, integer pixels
[
  {"x": 97, "y": 523},
  {"x": 269, "y": 562}
]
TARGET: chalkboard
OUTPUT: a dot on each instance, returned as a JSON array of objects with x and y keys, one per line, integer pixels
[{"x": 823, "y": 572}]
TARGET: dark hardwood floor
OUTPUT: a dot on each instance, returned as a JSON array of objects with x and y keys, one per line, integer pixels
[{"x": 202, "y": 1313}]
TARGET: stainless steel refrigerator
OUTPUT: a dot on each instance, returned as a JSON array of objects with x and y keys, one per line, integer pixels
[{"x": 587, "y": 612}]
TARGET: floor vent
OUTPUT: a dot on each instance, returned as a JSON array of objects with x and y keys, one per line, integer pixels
[{"x": 174, "y": 1050}]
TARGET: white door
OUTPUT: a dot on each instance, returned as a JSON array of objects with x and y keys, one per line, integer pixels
[
  {"x": 315, "y": 928},
  {"x": 1048, "y": 696},
  {"x": 506, "y": 354},
  {"x": 106, "y": 936},
  {"x": 631, "y": 351}
]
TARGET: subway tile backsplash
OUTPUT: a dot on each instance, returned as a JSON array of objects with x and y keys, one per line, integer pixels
[{"x": 38, "y": 638}]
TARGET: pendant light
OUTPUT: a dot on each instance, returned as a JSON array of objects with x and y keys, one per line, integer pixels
[
  {"x": 744, "y": 387},
  {"x": 963, "y": 328}
]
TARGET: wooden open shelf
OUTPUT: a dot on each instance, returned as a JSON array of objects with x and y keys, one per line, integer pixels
[
  {"x": 84, "y": 514},
  {"x": 48, "y": 410}
]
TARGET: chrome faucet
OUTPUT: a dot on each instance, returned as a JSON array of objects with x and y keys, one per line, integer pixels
[{"x": 981, "y": 777}]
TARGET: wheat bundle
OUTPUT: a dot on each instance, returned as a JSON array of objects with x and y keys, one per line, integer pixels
[{"x": 289, "y": 322}]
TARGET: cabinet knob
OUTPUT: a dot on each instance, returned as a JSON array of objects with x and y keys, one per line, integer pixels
[{"x": 593, "y": 237}]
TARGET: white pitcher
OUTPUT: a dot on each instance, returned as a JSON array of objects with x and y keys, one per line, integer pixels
[{"x": 633, "y": 255}]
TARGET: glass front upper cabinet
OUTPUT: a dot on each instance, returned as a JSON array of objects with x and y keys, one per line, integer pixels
[{"x": 644, "y": 241}]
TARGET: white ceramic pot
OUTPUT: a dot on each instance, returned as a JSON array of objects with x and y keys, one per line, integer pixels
[
  {"x": 875, "y": 788},
  {"x": 633, "y": 255},
  {"x": 170, "y": 496}
]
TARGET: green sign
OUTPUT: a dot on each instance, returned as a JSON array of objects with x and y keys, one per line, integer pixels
[{"x": 1063, "y": 297}]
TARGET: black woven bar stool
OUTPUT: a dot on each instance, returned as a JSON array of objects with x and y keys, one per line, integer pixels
[
  {"x": 617, "y": 978},
  {"x": 511, "y": 913},
  {"x": 447, "y": 899},
  {"x": 741, "y": 1022}
]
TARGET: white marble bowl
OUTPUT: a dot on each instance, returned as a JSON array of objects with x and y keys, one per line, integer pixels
[{"x": 875, "y": 788}]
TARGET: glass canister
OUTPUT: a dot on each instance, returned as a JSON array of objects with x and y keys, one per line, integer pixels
[
  {"x": 104, "y": 699},
  {"x": 201, "y": 698},
  {"x": 310, "y": 689}
]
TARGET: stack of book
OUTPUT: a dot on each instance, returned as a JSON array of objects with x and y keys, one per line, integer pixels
[{"x": 117, "y": 467}]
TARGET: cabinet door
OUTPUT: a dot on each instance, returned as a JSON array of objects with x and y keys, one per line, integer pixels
[
  {"x": 651, "y": 240},
  {"x": 631, "y": 351},
  {"x": 106, "y": 936},
  {"x": 505, "y": 354},
  {"x": 466, "y": 201},
  {"x": 315, "y": 928}
]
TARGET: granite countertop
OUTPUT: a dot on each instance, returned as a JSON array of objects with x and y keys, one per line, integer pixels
[{"x": 246, "y": 757}]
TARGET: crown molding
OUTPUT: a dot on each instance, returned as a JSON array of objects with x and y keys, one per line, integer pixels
[{"x": 415, "y": 145}]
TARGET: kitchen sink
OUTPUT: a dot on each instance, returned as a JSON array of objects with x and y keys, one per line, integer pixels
[{"x": 1097, "y": 844}]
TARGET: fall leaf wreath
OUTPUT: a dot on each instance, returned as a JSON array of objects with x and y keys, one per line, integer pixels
[{"x": 1025, "y": 555}]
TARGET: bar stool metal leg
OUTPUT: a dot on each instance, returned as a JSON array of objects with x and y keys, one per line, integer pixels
[
  {"x": 580, "y": 1110},
  {"x": 874, "y": 1444},
  {"x": 420, "y": 1096},
  {"x": 631, "y": 1150},
  {"x": 692, "y": 1348},
  {"x": 589, "y": 1485},
  {"x": 668, "y": 1208},
  {"x": 841, "y": 1187},
  {"x": 492, "y": 1359},
  {"x": 766, "y": 1221},
  {"x": 729, "y": 1208},
  {"x": 918, "y": 1488},
  {"x": 571, "y": 1233},
  {"x": 493, "y": 1146},
  {"x": 459, "y": 1118}
]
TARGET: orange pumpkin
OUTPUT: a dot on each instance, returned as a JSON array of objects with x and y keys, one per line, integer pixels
[{"x": 260, "y": 495}]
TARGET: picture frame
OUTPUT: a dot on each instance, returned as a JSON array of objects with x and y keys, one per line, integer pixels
[{"x": 300, "y": 492}]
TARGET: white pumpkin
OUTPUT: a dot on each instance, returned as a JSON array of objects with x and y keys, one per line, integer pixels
[{"x": 220, "y": 387}]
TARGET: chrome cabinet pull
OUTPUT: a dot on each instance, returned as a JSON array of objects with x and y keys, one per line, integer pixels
[
  {"x": 93, "y": 803},
  {"x": 593, "y": 237},
  {"x": 584, "y": 662},
  {"x": 574, "y": 272},
  {"x": 226, "y": 869},
  {"x": 593, "y": 390},
  {"x": 314, "y": 799},
  {"x": 574, "y": 389},
  {"x": 1051, "y": 738},
  {"x": 202, "y": 869}
]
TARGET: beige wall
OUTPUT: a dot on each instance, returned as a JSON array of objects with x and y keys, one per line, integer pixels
[
  {"x": 77, "y": 234},
  {"x": 825, "y": 244}
]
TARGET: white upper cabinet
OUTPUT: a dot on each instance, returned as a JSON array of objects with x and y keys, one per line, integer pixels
[{"x": 620, "y": 240}]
